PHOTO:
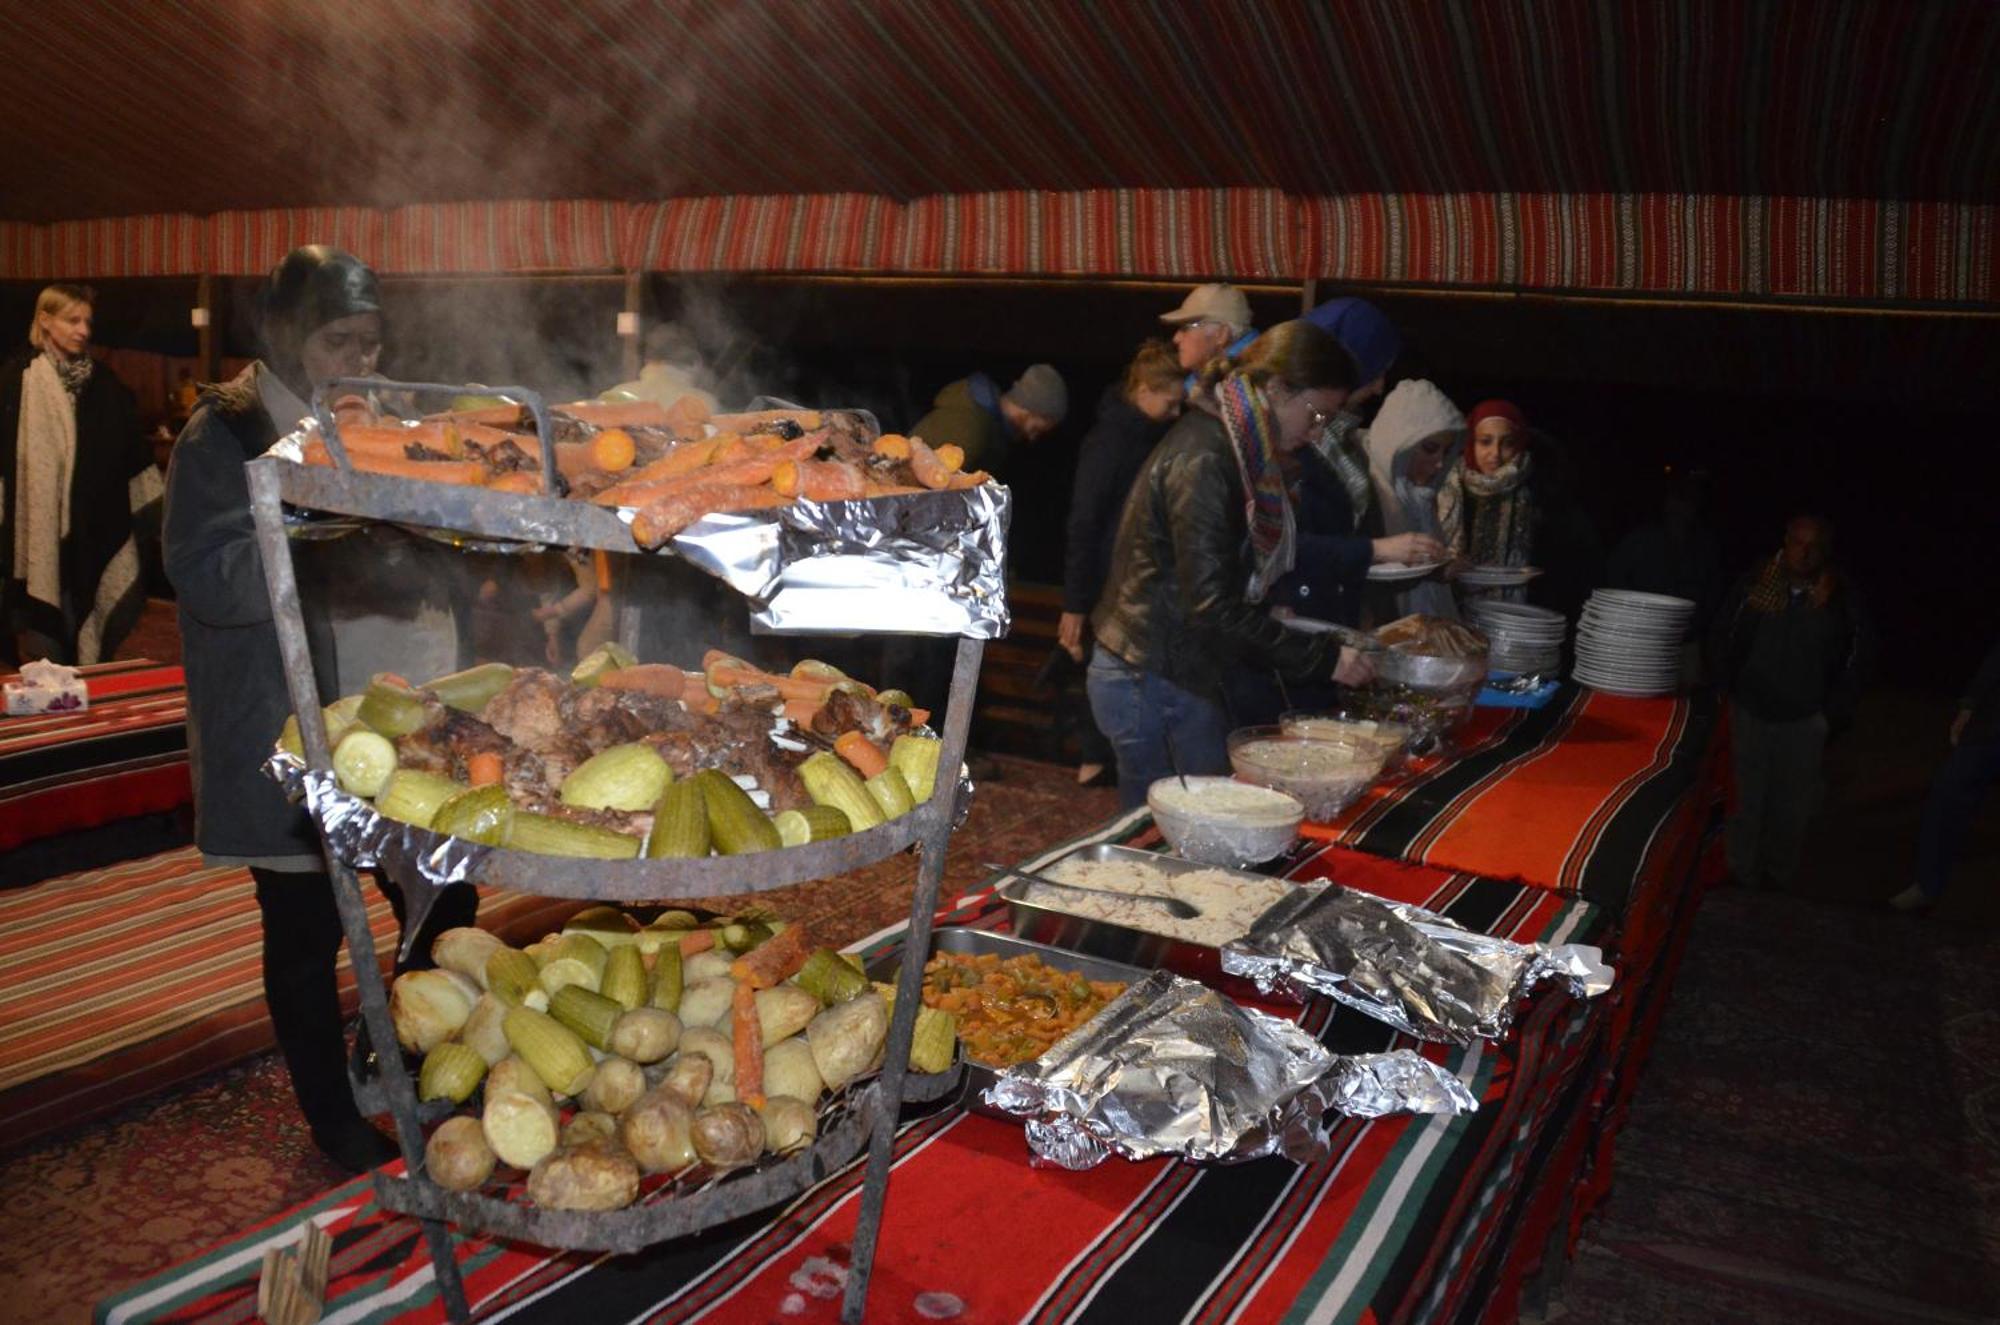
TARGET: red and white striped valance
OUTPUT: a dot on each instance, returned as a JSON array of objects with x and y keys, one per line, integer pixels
[
  {"x": 1834, "y": 248},
  {"x": 504, "y": 237},
  {"x": 1246, "y": 233},
  {"x": 1828, "y": 248},
  {"x": 252, "y": 243},
  {"x": 778, "y": 232}
]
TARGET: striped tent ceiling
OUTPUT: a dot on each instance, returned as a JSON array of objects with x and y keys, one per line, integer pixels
[{"x": 124, "y": 107}]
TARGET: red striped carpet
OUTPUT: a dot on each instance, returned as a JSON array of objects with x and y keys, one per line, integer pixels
[{"x": 119, "y": 981}]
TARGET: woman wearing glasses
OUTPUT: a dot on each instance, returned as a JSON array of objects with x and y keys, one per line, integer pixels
[{"x": 1208, "y": 529}]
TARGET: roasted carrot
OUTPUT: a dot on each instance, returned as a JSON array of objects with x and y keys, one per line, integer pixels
[
  {"x": 876, "y": 488},
  {"x": 697, "y": 940},
  {"x": 858, "y": 750},
  {"x": 748, "y": 473},
  {"x": 689, "y": 412},
  {"x": 924, "y": 463},
  {"x": 764, "y": 419},
  {"x": 729, "y": 449},
  {"x": 800, "y": 712},
  {"x": 469, "y": 473},
  {"x": 746, "y": 1037},
  {"x": 972, "y": 480},
  {"x": 952, "y": 456},
  {"x": 776, "y": 959},
  {"x": 661, "y": 679},
  {"x": 819, "y": 480},
  {"x": 524, "y": 481},
  {"x": 618, "y": 413},
  {"x": 893, "y": 445},
  {"x": 484, "y": 768},
  {"x": 499, "y": 416},
  {"x": 614, "y": 450},
  {"x": 393, "y": 443},
  {"x": 657, "y": 521}
]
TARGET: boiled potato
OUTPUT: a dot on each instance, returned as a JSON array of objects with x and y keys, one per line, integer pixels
[
  {"x": 789, "y": 1070},
  {"x": 688, "y": 1077},
  {"x": 520, "y": 1128},
  {"x": 847, "y": 1040},
  {"x": 710, "y": 965},
  {"x": 457, "y": 1156},
  {"x": 728, "y": 1135},
  {"x": 783, "y": 1011},
  {"x": 616, "y": 1083},
  {"x": 585, "y": 1177},
  {"x": 589, "y": 1125},
  {"x": 656, "y": 1131},
  {"x": 646, "y": 1035},
  {"x": 706, "y": 1002},
  {"x": 789, "y": 1124}
]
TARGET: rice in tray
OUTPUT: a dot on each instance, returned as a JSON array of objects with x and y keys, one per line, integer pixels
[{"x": 1229, "y": 903}]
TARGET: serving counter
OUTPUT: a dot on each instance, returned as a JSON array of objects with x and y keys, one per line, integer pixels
[{"x": 1408, "y": 1218}]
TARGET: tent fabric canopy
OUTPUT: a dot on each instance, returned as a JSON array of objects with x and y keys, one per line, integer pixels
[{"x": 1832, "y": 148}]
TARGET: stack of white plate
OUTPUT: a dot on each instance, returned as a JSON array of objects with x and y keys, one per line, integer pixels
[
  {"x": 1524, "y": 638},
  {"x": 1629, "y": 643}
]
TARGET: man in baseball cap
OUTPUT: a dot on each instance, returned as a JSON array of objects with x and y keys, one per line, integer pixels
[{"x": 1212, "y": 320}]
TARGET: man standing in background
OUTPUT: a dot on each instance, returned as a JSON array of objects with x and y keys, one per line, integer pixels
[
  {"x": 1790, "y": 649},
  {"x": 984, "y": 422},
  {"x": 1969, "y": 772}
]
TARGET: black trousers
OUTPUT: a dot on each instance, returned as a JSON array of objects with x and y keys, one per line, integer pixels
[{"x": 302, "y": 938}]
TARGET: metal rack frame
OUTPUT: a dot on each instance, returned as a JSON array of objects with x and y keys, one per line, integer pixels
[{"x": 873, "y": 1111}]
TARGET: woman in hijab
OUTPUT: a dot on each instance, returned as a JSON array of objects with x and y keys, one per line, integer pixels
[
  {"x": 1415, "y": 437},
  {"x": 322, "y": 319},
  {"x": 1208, "y": 529},
  {"x": 1487, "y": 507},
  {"x": 80, "y": 490}
]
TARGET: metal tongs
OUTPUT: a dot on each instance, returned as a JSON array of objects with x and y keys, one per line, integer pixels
[{"x": 1176, "y": 908}]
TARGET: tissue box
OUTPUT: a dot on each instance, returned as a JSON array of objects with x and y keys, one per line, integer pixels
[{"x": 64, "y": 696}]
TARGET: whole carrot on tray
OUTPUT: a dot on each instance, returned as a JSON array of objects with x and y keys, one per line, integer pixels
[
  {"x": 658, "y": 521},
  {"x": 746, "y": 1036}
]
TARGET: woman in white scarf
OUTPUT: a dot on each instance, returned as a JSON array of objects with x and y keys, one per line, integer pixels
[
  {"x": 1414, "y": 437},
  {"x": 78, "y": 491}
]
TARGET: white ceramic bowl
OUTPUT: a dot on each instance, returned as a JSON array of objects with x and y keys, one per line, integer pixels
[{"x": 1220, "y": 821}]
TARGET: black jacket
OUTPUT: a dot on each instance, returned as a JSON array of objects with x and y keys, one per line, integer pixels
[
  {"x": 1797, "y": 662},
  {"x": 1112, "y": 453},
  {"x": 1175, "y": 601},
  {"x": 237, "y": 699},
  {"x": 1335, "y": 550},
  {"x": 109, "y": 452},
  {"x": 1982, "y": 701}
]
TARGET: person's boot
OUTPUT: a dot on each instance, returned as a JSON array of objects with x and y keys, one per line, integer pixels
[
  {"x": 305, "y": 1014},
  {"x": 1911, "y": 900}
]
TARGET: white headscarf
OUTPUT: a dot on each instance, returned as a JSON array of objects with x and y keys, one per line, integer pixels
[{"x": 1414, "y": 411}]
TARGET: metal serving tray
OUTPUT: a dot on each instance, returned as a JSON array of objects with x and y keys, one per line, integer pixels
[
  {"x": 978, "y": 943},
  {"x": 1118, "y": 943}
]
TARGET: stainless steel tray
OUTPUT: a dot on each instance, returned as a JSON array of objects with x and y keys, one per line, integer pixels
[
  {"x": 1118, "y": 943},
  {"x": 978, "y": 943}
]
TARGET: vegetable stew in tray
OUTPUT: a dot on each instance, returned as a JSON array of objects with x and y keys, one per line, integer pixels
[{"x": 1011, "y": 999}]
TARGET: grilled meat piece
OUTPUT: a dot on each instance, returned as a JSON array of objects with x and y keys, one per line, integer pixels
[
  {"x": 738, "y": 743},
  {"x": 529, "y": 711},
  {"x": 450, "y": 738}
]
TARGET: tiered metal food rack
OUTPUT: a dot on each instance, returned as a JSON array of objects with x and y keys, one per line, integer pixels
[{"x": 871, "y": 1116}]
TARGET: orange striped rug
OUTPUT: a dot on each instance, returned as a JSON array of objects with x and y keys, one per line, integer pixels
[{"x": 119, "y": 981}]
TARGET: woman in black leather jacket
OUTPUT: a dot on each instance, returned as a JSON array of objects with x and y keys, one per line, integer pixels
[{"x": 1208, "y": 529}]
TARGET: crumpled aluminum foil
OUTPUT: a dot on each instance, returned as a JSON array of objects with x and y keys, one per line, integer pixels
[
  {"x": 1170, "y": 1067},
  {"x": 1410, "y": 968},
  {"x": 930, "y": 563}
]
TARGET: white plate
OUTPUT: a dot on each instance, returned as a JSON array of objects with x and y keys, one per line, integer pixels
[
  {"x": 1395, "y": 572},
  {"x": 1524, "y": 611},
  {"x": 1497, "y": 577},
  {"x": 1637, "y": 598},
  {"x": 1624, "y": 691}
]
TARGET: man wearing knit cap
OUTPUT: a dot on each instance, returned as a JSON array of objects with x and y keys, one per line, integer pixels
[
  {"x": 975, "y": 415},
  {"x": 1212, "y": 320}
]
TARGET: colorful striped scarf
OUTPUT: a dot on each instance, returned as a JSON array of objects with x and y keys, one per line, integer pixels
[{"x": 1267, "y": 507}]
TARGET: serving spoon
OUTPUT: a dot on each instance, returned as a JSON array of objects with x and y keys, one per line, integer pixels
[{"x": 1176, "y": 908}]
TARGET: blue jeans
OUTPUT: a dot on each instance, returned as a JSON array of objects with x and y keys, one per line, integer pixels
[
  {"x": 1968, "y": 772},
  {"x": 1135, "y": 709}
]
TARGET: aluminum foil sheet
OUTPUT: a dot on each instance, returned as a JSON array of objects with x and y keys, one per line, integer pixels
[
  {"x": 1403, "y": 965},
  {"x": 1170, "y": 1067},
  {"x": 931, "y": 563}
]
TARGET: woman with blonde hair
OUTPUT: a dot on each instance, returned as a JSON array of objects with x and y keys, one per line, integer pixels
[
  {"x": 1208, "y": 529},
  {"x": 79, "y": 488}
]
